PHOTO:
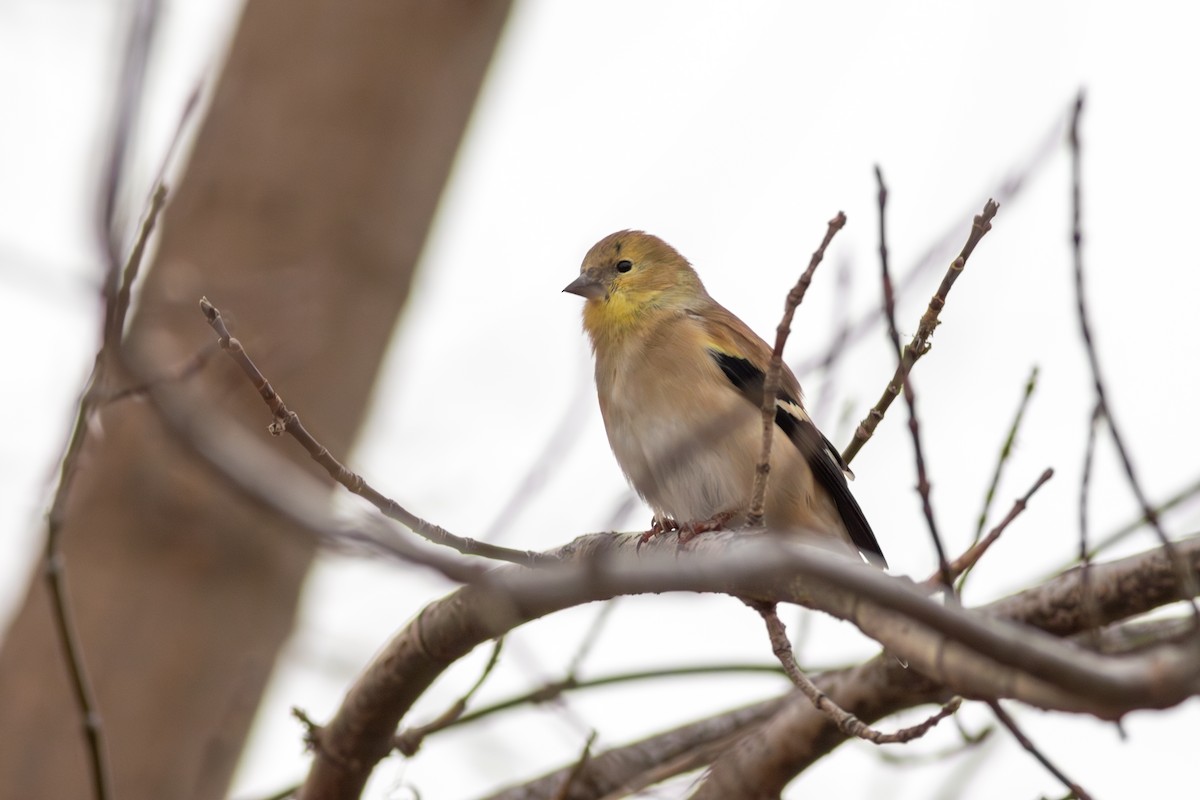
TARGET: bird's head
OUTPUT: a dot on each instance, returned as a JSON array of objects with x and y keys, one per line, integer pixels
[{"x": 629, "y": 274}]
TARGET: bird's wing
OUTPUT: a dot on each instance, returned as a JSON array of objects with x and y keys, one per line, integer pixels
[{"x": 744, "y": 357}]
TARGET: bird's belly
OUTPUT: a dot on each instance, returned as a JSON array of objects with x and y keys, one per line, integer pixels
[{"x": 681, "y": 474}]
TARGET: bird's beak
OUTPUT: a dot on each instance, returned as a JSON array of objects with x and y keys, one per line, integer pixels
[{"x": 586, "y": 286}]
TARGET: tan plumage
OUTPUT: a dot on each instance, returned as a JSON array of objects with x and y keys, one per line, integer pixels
[{"x": 679, "y": 380}]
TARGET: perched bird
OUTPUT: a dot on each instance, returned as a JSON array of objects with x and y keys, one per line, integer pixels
[{"x": 680, "y": 381}]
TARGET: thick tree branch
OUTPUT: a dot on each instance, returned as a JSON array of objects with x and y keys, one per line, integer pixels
[
  {"x": 973, "y": 653},
  {"x": 797, "y": 734}
]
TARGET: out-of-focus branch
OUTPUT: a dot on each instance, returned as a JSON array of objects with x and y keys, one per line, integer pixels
[
  {"x": 622, "y": 770},
  {"x": 1189, "y": 492},
  {"x": 118, "y": 290},
  {"x": 409, "y": 741},
  {"x": 284, "y": 420},
  {"x": 1011, "y": 724},
  {"x": 1005, "y": 452},
  {"x": 263, "y": 476}
]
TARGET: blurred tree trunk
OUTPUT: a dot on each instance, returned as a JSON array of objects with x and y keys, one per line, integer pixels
[{"x": 306, "y": 203}]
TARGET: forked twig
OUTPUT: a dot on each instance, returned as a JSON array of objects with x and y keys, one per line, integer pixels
[
  {"x": 961, "y": 565},
  {"x": 1186, "y": 576},
  {"x": 1115, "y": 537},
  {"x": 771, "y": 384},
  {"x": 564, "y": 791},
  {"x": 846, "y": 722},
  {"x": 910, "y": 397},
  {"x": 287, "y": 421},
  {"x": 409, "y": 741},
  {"x": 919, "y": 345},
  {"x": 94, "y": 397}
]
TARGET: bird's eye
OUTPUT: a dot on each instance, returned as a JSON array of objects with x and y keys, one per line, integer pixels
[{"x": 624, "y": 265}]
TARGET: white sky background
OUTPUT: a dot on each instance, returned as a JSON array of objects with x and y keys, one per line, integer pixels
[{"x": 734, "y": 131}]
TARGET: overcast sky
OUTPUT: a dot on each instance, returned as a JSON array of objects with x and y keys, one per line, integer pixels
[{"x": 734, "y": 131}]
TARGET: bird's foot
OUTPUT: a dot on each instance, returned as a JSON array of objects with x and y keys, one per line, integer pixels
[
  {"x": 691, "y": 530},
  {"x": 658, "y": 526}
]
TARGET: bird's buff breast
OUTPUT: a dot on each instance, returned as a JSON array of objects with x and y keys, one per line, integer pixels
[{"x": 678, "y": 454}]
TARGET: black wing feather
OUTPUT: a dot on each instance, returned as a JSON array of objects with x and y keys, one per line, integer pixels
[{"x": 823, "y": 458}]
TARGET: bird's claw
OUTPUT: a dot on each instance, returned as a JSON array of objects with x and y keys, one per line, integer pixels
[
  {"x": 691, "y": 530},
  {"x": 687, "y": 530},
  {"x": 658, "y": 526}
]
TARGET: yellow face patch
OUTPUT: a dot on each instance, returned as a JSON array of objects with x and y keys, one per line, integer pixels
[{"x": 621, "y": 309}]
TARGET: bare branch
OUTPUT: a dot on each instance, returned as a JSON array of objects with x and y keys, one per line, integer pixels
[
  {"x": 623, "y": 770},
  {"x": 1005, "y": 452},
  {"x": 754, "y": 519},
  {"x": 846, "y": 722},
  {"x": 1008, "y": 722},
  {"x": 565, "y": 790},
  {"x": 910, "y": 397},
  {"x": 53, "y": 562},
  {"x": 974, "y": 654},
  {"x": 287, "y": 421},
  {"x": 409, "y": 741},
  {"x": 1187, "y": 574},
  {"x": 919, "y": 345},
  {"x": 783, "y": 736},
  {"x": 967, "y": 560},
  {"x": 1189, "y": 492},
  {"x": 1008, "y": 189},
  {"x": 267, "y": 478}
]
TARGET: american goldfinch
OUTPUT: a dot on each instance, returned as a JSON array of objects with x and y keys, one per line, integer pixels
[{"x": 680, "y": 383}]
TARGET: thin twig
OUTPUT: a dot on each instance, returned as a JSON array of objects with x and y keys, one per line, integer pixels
[
  {"x": 919, "y": 345},
  {"x": 94, "y": 396},
  {"x": 1187, "y": 577},
  {"x": 1117, "y": 536},
  {"x": 1085, "y": 484},
  {"x": 962, "y": 564},
  {"x": 409, "y": 741},
  {"x": 754, "y": 519},
  {"x": 590, "y": 638},
  {"x": 840, "y": 324},
  {"x": 115, "y": 323},
  {"x": 1005, "y": 452},
  {"x": 554, "y": 690},
  {"x": 1009, "y": 188},
  {"x": 130, "y": 91},
  {"x": 564, "y": 791},
  {"x": 910, "y": 397},
  {"x": 1010, "y": 723},
  {"x": 175, "y": 375},
  {"x": 287, "y": 421},
  {"x": 846, "y": 722},
  {"x": 968, "y": 741},
  {"x": 560, "y": 444}
]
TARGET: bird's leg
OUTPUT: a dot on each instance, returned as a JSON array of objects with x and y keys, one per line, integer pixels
[{"x": 690, "y": 530}]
